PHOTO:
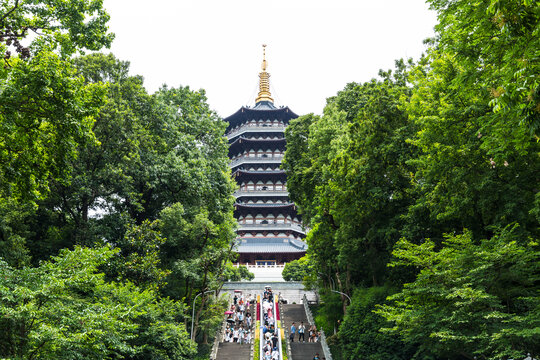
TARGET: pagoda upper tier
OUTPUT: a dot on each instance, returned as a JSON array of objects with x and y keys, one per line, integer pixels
[{"x": 263, "y": 114}]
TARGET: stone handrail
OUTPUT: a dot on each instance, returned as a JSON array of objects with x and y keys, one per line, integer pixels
[
  {"x": 260, "y": 192},
  {"x": 248, "y": 265},
  {"x": 322, "y": 340},
  {"x": 271, "y": 226},
  {"x": 257, "y": 159}
]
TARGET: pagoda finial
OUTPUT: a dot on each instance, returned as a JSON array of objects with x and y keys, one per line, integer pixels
[{"x": 264, "y": 82}]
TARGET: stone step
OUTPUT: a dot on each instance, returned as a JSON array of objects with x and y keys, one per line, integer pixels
[
  {"x": 233, "y": 351},
  {"x": 305, "y": 351}
]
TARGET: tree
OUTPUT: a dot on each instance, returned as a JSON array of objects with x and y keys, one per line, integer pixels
[
  {"x": 67, "y": 25},
  {"x": 100, "y": 182},
  {"x": 139, "y": 259},
  {"x": 497, "y": 44},
  {"x": 65, "y": 309},
  {"x": 469, "y": 299},
  {"x": 45, "y": 107},
  {"x": 45, "y": 110},
  {"x": 359, "y": 334},
  {"x": 348, "y": 173},
  {"x": 297, "y": 270},
  {"x": 458, "y": 179}
]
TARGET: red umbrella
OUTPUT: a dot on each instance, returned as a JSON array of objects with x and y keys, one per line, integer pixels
[{"x": 228, "y": 312}]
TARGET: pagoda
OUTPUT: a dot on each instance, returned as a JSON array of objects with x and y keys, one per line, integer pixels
[{"x": 270, "y": 229}]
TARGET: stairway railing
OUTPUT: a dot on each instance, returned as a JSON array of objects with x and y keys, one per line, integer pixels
[
  {"x": 261, "y": 335},
  {"x": 322, "y": 340},
  {"x": 277, "y": 327},
  {"x": 219, "y": 335}
]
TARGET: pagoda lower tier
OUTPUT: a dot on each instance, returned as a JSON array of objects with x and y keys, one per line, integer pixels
[{"x": 269, "y": 250}]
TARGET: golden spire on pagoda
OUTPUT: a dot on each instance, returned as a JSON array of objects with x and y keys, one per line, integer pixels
[{"x": 264, "y": 82}]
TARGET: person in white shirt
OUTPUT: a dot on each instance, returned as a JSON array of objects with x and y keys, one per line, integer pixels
[
  {"x": 241, "y": 335},
  {"x": 301, "y": 331},
  {"x": 275, "y": 354}
]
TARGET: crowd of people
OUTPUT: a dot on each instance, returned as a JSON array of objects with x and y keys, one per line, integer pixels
[
  {"x": 239, "y": 321},
  {"x": 239, "y": 326},
  {"x": 313, "y": 335},
  {"x": 270, "y": 335}
]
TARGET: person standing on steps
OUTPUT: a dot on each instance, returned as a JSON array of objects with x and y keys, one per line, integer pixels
[
  {"x": 293, "y": 331},
  {"x": 301, "y": 331}
]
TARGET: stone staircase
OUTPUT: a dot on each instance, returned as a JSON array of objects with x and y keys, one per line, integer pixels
[
  {"x": 299, "y": 351},
  {"x": 235, "y": 351}
]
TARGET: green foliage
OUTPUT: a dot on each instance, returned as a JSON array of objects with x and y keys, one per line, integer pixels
[
  {"x": 139, "y": 260},
  {"x": 212, "y": 316},
  {"x": 233, "y": 273},
  {"x": 297, "y": 270},
  {"x": 329, "y": 314},
  {"x": 359, "y": 335},
  {"x": 348, "y": 174},
  {"x": 67, "y": 25},
  {"x": 466, "y": 174},
  {"x": 473, "y": 299},
  {"x": 102, "y": 161},
  {"x": 45, "y": 110},
  {"x": 446, "y": 144},
  {"x": 497, "y": 43},
  {"x": 65, "y": 309},
  {"x": 13, "y": 230}
]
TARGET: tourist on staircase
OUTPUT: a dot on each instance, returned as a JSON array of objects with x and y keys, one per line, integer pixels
[{"x": 301, "y": 330}]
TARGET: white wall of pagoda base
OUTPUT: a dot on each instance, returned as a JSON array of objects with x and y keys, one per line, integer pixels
[{"x": 267, "y": 273}]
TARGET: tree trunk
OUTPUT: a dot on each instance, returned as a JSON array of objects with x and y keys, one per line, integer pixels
[
  {"x": 343, "y": 298},
  {"x": 197, "y": 315}
]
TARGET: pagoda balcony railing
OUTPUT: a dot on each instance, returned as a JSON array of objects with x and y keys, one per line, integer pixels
[
  {"x": 255, "y": 129},
  {"x": 261, "y": 192},
  {"x": 271, "y": 227},
  {"x": 276, "y": 159}
]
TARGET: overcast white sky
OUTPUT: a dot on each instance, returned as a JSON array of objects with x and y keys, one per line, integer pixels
[{"x": 314, "y": 47}]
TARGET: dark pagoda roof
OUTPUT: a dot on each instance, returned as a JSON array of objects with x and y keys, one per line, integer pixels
[
  {"x": 263, "y": 110},
  {"x": 261, "y": 195},
  {"x": 270, "y": 245},
  {"x": 265, "y": 209},
  {"x": 260, "y": 175}
]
